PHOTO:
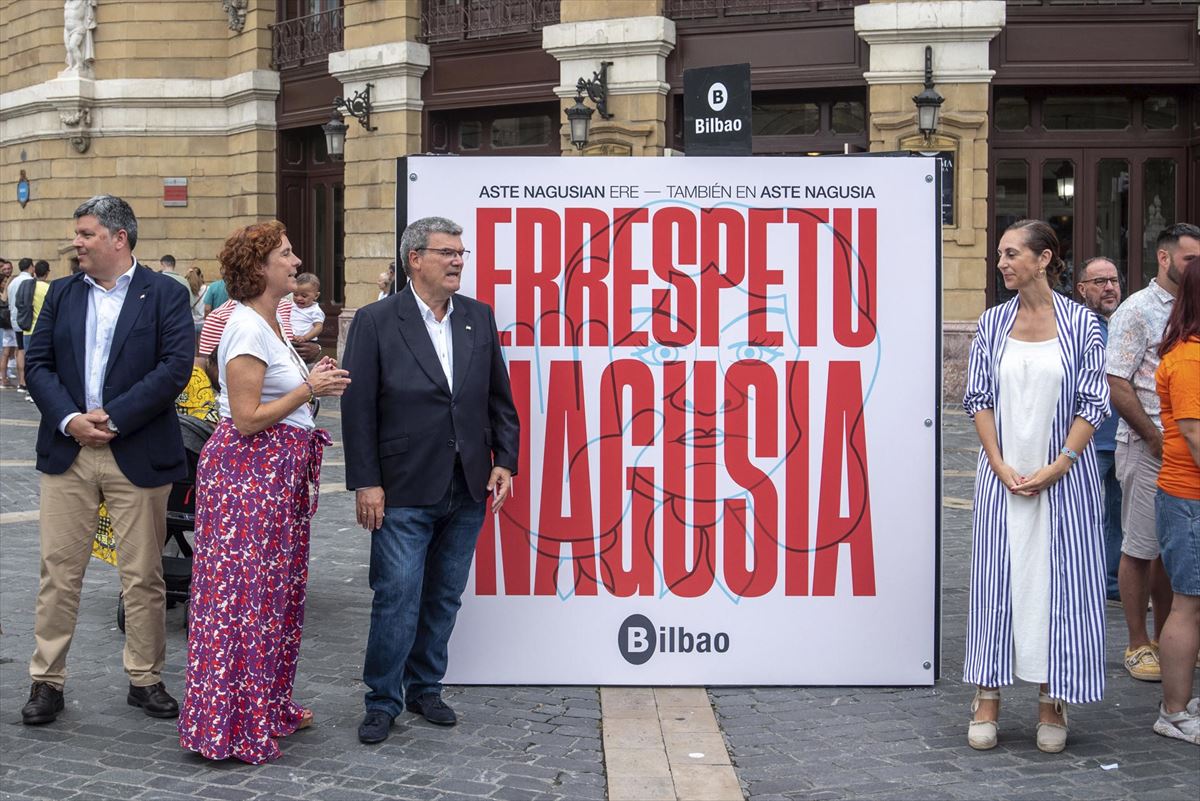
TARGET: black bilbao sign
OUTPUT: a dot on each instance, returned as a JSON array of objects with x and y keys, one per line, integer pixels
[{"x": 716, "y": 111}]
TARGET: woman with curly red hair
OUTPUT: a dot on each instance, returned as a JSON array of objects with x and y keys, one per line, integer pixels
[{"x": 256, "y": 492}]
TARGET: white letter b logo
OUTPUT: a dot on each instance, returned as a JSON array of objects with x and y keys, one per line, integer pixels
[
  {"x": 718, "y": 95},
  {"x": 635, "y": 639}
]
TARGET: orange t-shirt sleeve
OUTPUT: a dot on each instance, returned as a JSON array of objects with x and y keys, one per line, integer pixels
[
  {"x": 1185, "y": 384},
  {"x": 1180, "y": 475}
]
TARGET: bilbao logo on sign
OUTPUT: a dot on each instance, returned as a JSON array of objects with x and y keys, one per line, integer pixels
[
  {"x": 718, "y": 96},
  {"x": 639, "y": 640}
]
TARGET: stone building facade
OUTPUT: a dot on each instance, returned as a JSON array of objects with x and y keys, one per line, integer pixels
[{"x": 230, "y": 96}]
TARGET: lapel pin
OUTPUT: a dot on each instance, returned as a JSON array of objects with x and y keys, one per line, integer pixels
[
  {"x": 468, "y": 328},
  {"x": 143, "y": 295}
]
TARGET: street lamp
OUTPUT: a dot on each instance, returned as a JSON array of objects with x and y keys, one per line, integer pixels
[
  {"x": 335, "y": 136},
  {"x": 929, "y": 101},
  {"x": 579, "y": 116},
  {"x": 358, "y": 107},
  {"x": 1064, "y": 181}
]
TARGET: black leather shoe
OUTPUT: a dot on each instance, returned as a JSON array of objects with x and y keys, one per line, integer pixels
[
  {"x": 431, "y": 707},
  {"x": 375, "y": 727},
  {"x": 44, "y": 704},
  {"x": 154, "y": 700}
]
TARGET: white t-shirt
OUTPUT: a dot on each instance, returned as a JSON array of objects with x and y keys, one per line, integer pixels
[
  {"x": 247, "y": 334},
  {"x": 303, "y": 319},
  {"x": 17, "y": 279}
]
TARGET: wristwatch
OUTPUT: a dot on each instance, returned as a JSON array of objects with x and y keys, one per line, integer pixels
[
  {"x": 113, "y": 426},
  {"x": 1067, "y": 452}
]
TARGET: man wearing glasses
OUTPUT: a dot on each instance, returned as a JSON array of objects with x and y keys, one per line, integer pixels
[
  {"x": 1099, "y": 286},
  {"x": 430, "y": 431},
  {"x": 1135, "y": 332}
]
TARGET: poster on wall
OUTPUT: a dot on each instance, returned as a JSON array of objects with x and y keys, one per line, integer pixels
[{"x": 727, "y": 372}]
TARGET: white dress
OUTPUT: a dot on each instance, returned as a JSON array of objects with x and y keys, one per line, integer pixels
[{"x": 1030, "y": 382}]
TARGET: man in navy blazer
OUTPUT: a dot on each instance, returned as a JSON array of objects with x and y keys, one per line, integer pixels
[
  {"x": 430, "y": 430},
  {"x": 112, "y": 349}
]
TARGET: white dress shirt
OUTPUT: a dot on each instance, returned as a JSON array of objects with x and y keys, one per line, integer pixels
[
  {"x": 439, "y": 334},
  {"x": 104, "y": 307}
]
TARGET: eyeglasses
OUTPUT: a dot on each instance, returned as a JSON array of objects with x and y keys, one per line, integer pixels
[
  {"x": 448, "y": 253},
  {"x": 1100, "y": 283}
]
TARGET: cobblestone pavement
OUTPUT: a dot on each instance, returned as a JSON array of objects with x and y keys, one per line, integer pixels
[
  {"x": 512, "y": 743},
  {"x": 909, "y": 743},
  {"x": 537, "y": 743}
]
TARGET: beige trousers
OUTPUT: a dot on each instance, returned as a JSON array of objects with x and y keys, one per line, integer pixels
[{"x": 70, "y": 504}]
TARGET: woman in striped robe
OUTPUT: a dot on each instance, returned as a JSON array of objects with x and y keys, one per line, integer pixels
[{"x": 1036, "y": 390}]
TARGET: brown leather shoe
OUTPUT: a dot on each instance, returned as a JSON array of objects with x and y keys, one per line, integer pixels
[
  {"x": 45, "y": 702},
  {"x": 154, "y": 700}
]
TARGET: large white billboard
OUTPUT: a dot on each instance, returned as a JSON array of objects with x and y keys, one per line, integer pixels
[{"x": 727, "y": 374}]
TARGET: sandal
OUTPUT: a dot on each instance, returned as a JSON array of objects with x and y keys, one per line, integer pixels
[
  {"x": 1052, "y": 737},
  {"x": 983, "y": 734},
  {"x": 306, "y": 720}
]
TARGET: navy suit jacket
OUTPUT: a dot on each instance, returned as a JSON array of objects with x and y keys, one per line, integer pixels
[
  {"x": 149, "y": 364},
  {"x": 401, "y": 423}
]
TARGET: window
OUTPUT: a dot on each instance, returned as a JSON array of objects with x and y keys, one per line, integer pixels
[
  {"x": 1160, "y": 113},
  {"x": 849, "y": 117},
  {"x": 1085, "y": 113},
  {"x": 1012, "y": 113},
  {"x": 470, "y": 133},
  {"x": 527, "y": 130},
  {"x": 812, "y": 122},
  {"x": 522, "y": 131},
  {"x": 785, "y": 119},
  {"x": 1107, "y": 167}
]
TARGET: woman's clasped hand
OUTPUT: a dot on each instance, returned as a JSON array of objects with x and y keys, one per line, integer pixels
[
  {"x": 327, "y": 379},
  {"x": 1032, "y": 484}
]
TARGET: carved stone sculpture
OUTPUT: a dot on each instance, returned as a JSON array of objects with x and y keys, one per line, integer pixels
[
  {"x": 79, "y": 21},
  {"x": 79, "y": 118},
  {"x": 236, "y": 9}
]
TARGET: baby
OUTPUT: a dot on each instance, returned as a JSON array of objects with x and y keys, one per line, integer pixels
[{"x": 307, "y": 317}]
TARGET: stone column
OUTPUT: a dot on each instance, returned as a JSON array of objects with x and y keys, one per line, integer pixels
[
  {"x": 380, "y": 50},
  {"x": 959, "y": 32},
  {"x": 637, "y": 88}
]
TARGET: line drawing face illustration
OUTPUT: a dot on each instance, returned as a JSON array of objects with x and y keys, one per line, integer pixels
[
  {"x": 726, "y": 375},
  {"x": 754, "y": 353}
]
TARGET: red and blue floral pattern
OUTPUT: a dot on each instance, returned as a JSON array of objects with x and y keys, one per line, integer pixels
[{"x": 255, "y": 498}]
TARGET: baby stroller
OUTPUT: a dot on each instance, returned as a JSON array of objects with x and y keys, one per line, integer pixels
[{"x": 181, "y": 518}]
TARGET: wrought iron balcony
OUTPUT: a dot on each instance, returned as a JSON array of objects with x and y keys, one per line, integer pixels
[
  {"x": 699, "y": 9},
  {"x": 306, "y": 40},
  {"x": 1059, "y": 4},
  {"x": 459, "y": 20}
]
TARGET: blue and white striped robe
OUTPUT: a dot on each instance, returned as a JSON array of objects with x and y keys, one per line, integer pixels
[{"x": 1076, "y": 672}]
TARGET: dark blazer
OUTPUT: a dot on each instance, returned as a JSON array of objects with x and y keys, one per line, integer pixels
[
  {"x": 149, "y": 364},
  {"x": 400, "y": 422}
]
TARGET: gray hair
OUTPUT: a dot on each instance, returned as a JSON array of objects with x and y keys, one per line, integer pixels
[
  {"x": 112, "y": 213},
  {"x": 416, "y": 235}
]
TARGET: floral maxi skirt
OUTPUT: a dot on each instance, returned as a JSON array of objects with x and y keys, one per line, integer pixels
[{"x": 255, "y": 497}]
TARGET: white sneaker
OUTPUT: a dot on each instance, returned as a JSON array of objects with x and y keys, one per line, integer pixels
[{"x": 1183, "y": 725}]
